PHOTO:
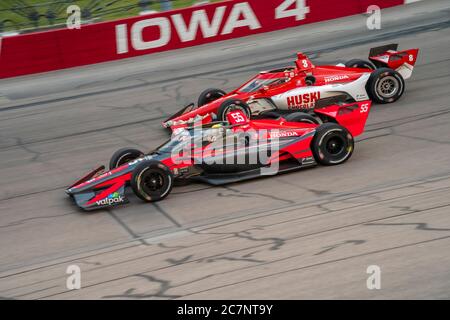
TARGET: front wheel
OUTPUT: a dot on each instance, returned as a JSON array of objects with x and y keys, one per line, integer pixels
[
  {"x": 385, "y": 85},
  {"x": 332, "y": 144},
  {"x": 122, "y": 156},
  {"x": 209, "y": 95},
  {"x": 232, "y": 105},
  {"x": 151, "y": 181}
]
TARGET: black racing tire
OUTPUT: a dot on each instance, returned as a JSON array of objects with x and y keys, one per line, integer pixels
[
  {"x": 151, "y": 181},
  {"x": 122, "y": 156},
  {"x": 358, "y": 63},
  {"x": 385, "y": 85},
  {"x": 332, "y": 144},
  {"x": 268, "y": 115},
  {"x": 301, "y": 117},
  {"x": 230, "y": 105},
  {"x": 310, "y": 80},
  {"x": 210, "y": 95}
]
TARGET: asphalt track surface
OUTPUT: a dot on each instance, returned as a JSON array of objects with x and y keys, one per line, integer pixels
[{"x": 307, "y": 234}]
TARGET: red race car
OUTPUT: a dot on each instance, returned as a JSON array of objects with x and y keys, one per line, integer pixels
[
  {"x": 224, "y": 152},
  {"x": 298, "y": 88}
]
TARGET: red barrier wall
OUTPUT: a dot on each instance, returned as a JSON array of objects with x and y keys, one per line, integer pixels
[{"x": 59, "y": 49}]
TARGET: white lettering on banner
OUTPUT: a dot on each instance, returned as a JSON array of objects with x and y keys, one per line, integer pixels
[
  {"x": 199, "y": 19},
  {"x": 250, "y": 20},
  {"x": 241, "y": 15},
  {"x": 299, "y": 12},
  {"x": 137, "y": 35},
  {"x": 121, "y": 38}
]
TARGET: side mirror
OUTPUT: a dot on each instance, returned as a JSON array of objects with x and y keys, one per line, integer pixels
[{"x": 310, "y": 80}]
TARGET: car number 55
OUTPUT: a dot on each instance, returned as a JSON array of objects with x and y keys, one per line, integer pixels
[{"x": 364, "y": 108}]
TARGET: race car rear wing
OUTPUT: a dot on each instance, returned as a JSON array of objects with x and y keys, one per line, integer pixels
[
  {"x": 378, "y": 51},
  {"x": 352, "y": 116},
  {"x": 388, "y": 56}
]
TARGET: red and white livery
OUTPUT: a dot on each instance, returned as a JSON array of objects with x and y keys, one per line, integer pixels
[{"x": 305, "y": 87}]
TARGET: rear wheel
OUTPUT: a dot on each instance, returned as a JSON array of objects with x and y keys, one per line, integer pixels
[
  {"x": 152, "y": 181},
  {"x": 209, "y": 95},
  {"x": 385, "y": 85},
  {"x": 301, "y": 117},
  {"x": 122, "y": 156},
  {"x": 358, "y": 63},
  {"x": 232, "y": 105},
  {"x": 332, "y": 144},
  {"x": 268, "y": 115}
]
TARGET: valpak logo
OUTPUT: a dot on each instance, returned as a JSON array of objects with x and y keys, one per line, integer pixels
[
  {"x": 113, "y": 198},
  {"x": 303, "y": 101}
]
